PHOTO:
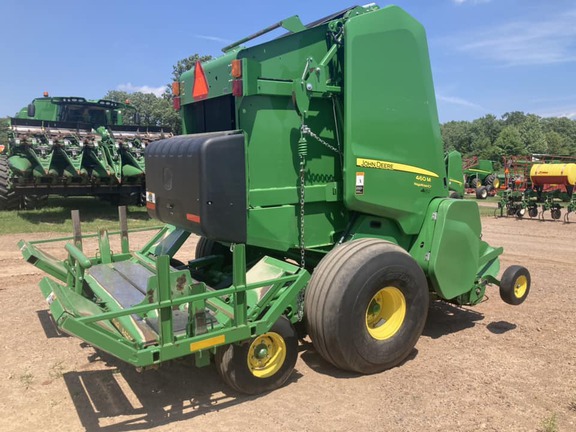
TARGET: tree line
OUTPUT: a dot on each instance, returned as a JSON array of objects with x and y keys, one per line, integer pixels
[
  {"x": 158, "y": 110},
  {"x": 515, "y": 133}
]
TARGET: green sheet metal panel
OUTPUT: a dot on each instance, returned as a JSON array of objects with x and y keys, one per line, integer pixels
[
  {"x": 272, "y": 127},
  {"x": 455, "y": 249},
  {"x": 393, "y": 159}
]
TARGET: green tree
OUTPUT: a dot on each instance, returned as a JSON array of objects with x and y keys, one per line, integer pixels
[
  {"x": 457, "y": 136},
  {"x": 510, "y": 142},
  {"x": 158, "y": 111},
  {"x": 514, "y": 118},
  {"x": 532, "y": 134},
  {"x": 153, "y": 110},
  {"x": 557, "y": 144}
]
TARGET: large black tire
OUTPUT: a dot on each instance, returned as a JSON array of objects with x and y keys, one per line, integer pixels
[
  {"x": 8, "y": 198},
  {"x": 206, "y": 247},
  {"x": 262, "y": 363},
  {"x": 533, "y": 212},
  {"x": 366, "y": 305},
  {"x": 474, "y": 183},
  {"x": 555, "y": 213},
  {"x": 481, "y": 193},
  {"x": 492, "y": 181},
  {"x": 515, "y": 285},
  {"x": 32, "y": 202}
]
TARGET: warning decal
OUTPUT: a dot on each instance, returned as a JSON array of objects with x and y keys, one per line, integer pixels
[{"x": 359, "y": 183}]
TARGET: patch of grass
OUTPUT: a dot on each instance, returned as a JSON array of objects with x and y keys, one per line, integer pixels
[
  {"x": 95, "y": 214},
  {"x": 549, "y": 424},
  {"x": 27, "y": 379}
]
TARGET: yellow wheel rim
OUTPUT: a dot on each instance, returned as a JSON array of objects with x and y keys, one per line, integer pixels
[
  {"x": 266, "y": 355},
  {"x": 496, "y": 183},
  {"x": 520, "y": 286},
  {"x": 385, "y": 313}
]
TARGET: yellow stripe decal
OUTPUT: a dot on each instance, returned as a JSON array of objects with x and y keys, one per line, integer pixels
[
  {"x": 455, "y": 181},
  {"x": 207, "y": 343},
  {"x": 392, "y": 166}
]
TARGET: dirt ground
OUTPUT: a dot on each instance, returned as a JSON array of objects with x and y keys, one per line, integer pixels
[{"x": 492, "y": 367}]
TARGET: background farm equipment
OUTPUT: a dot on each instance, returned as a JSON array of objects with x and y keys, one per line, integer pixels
[
  {"x": 73, "y": 146},
  {"x": 283, "y": 174},
  {"x": 516, "y": 203},
  {"x": 553, "y": 205},
  {"x": 570, "y": 208},
  {"x": 480, "y": 177}
]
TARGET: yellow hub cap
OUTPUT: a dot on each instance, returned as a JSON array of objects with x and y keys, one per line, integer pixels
[
  {"x": 266, "y": 355},
  {"x": 520, "y": 286},
  {"x": 385, "y": 313},
  {"x": 496, "y": 183}
]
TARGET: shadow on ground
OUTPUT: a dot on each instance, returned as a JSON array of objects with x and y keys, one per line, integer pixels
[
  {"x": 445, "y": 318},
  {"x": 122, "y": 399}
]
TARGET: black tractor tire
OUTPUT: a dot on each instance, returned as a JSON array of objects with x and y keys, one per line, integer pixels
[
  {"x": 32, "y": 202},
  {"x": 8, "y": 198},
  {"x": 260, "y": 364},
  {"x": 366, "y": 305},
  {"x": 515, "y": 285},
  {"x": 533, "y": 212},
  {"x": 481, "y": 193},
  {"x": 492, "y": 181},
  {"x": 555, "y": 213},
  {"x": 454, "y": 195},
  {"x": 474, "y": 183},
  {"x": 206, "y": 247},
  {"x": 520, "y": 213}
]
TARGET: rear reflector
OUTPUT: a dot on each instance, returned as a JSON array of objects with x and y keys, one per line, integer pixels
[
  {"x": 176, "y": 102},
  {"x": 193, "y": 218},
  {"x": 237, "y": 87},
  {"x": 200, "y": 87},
  {"x": 176, "y": 88},
  {"x": 236, "y": 68}
]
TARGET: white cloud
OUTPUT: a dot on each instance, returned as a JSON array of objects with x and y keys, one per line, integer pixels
[
  {"x": 130, "y": 88},
  {"x": 214, "y": 38},
  {"x": 459, "y": 101},
  {"x": 529, "y": 42},
  {"x": 560, "y": 112}
]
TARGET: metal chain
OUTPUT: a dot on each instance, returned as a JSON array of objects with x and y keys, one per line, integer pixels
[
  {"x": 302, "y": 202},
  {"x": 306, "y": 131}
]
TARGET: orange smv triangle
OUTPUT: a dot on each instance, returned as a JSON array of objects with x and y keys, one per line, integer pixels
[{"x": 200, "y": 88}]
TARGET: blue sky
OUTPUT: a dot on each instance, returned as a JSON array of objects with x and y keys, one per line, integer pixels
[{"x": 488, "y": 56}]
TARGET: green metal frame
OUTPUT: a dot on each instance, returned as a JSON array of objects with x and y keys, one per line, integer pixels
[{"x": 238, "y": 315}]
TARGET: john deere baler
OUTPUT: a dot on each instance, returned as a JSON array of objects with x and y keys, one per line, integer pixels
[{"x": 316, "y": 153}]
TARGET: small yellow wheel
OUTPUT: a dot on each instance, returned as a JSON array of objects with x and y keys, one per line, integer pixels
[
  {"x": 262, "y": 363},
  {"x": 515, "y": 285},
  {"x": 266, "y": 355},
  {"x": 385, "y": 313}
]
